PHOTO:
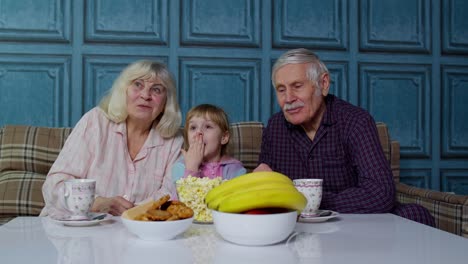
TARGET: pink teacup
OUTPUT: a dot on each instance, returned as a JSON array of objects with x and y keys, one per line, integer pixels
[
  {"x": 312, "y": 190},
  {"x": 79, "y": 197}
]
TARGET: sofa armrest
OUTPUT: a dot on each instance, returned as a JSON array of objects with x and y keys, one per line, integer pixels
[
  {"x": 450, "y": 211},
  {"x": 395, "y": 159}
]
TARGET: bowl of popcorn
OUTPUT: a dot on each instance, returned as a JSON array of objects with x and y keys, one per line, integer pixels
[
  {"x": 192, "y": 192},
  {"x": 158, "y": 220}
]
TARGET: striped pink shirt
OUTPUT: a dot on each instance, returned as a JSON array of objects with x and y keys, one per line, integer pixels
[{"x": 97, "y": 149}]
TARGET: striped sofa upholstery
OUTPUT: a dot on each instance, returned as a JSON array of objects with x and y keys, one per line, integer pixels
[
  {"x": 27, "y": 152},
  {"x": 26, "y": 155}
]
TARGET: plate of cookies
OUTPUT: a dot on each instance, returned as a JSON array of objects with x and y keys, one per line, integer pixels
[{"x": 162, "y": 219}]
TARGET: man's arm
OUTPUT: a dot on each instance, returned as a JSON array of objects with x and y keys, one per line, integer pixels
[
  {"x": 375, "y": 190},
  {"x": 263, "y": 159},
  {"x": 262, "y": 167}
]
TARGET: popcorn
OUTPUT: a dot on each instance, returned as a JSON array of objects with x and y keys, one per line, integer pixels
[{"x": 192, "y": 191}]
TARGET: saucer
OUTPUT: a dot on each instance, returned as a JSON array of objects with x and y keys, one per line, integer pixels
[
  {"x": 83, "y": 222},
  {"x": 318, "y": 219}
]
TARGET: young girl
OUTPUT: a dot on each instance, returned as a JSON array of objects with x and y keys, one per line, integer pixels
[{"x": 206, "y": 135}]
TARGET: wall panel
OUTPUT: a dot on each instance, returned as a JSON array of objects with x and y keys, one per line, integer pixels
[
  {"x": 34, "y": 90},
  {"x": 399, "y": 95},
  {"x": 454, "y": 180},
  {"x": 122, "y": 21},
  {"x": 454, "y": 26},
  {"x": 231, "y": 84},
  {"x": 33, "y": 20},
  {"x": 455, "y": 112},
  {"x": 221, "y": 23},
  {"x": 313, "y": 24},
  {"x": 416, "y": 177},
  {"x": 397, "y": 25}
]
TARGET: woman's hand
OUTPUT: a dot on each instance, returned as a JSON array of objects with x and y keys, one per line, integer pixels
[
  {"x": 112, "y": 205},
  {"x": 194, "y": 155}
]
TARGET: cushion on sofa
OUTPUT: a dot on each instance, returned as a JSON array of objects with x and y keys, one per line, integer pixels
[
  {"x": 245, "y": 143},
  {"x": 21, "y": 193},
  {"x": 28, "y": 148}
]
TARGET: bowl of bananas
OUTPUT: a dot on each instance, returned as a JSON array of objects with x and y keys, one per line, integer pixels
[{"x": 255, "y": 209}]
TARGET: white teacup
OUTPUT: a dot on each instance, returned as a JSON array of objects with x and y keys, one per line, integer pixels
[
  {"x": 79, "y": 197},
  {"x": 312, "y": 190}
]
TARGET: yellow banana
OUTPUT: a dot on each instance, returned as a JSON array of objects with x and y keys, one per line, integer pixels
[
  {"x": 268, "y": 198},
  {"x": 244, "y": 181},
  {"x": 266, "y": 184}
]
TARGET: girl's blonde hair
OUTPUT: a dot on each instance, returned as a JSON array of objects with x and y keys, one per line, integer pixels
[
  {"x": 114, "y": 103},
  {"x": 215, "y": 114}
]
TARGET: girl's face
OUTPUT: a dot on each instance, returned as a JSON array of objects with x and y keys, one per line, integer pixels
[
  {"x": 146, "y": 100},
  {"x": 202, "y": 128}
]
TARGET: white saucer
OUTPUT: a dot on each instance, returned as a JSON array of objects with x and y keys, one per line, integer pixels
[
  {"x": 83, "y": 222},
  {"x": 318, "y": 219}
]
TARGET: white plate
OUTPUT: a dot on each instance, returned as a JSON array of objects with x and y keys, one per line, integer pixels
[
  {"x": 318, "y": 219},
  {"x": 83, "y": 222}
]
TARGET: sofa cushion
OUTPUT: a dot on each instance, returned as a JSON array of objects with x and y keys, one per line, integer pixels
[
  {"x": 28, "y": 148},
  {"x": 21, "y": 193},
  {"x": 245, "y": 143}
]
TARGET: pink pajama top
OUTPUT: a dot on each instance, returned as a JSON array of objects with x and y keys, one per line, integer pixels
[{"x": 97, "y": 149}]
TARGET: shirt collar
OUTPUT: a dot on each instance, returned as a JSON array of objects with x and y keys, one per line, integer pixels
[{"x": 155, "y": 138}]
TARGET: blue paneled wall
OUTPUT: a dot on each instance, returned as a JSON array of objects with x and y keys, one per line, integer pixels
[{"x": 405, "y": 61}]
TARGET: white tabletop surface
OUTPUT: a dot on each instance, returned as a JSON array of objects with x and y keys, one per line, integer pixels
[{"x": 375, "y": 238}]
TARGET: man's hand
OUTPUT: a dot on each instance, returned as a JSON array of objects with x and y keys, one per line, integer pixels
[
  {"x": 263, "y": 167},
  {"x": 112, "y": 205}
]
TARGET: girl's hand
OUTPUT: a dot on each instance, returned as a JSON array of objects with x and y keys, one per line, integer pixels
[
  {"x": 111, "y": 205},
  {"x": 194, "y": 155}
]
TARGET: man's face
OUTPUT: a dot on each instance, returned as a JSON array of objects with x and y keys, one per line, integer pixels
[{"x": 300, "y": 99}]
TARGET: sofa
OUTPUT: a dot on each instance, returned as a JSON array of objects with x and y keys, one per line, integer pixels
[{"x": 28, "y": 152}]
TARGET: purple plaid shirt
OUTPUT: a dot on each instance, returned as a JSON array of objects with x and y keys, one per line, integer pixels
[{"x": 346, "y": 153}]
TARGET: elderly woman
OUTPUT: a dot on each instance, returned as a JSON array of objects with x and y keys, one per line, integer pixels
[{"x": 127, "y": 144}]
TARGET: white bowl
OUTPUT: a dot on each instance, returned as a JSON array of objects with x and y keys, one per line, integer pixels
[
  {"x": 254, "y": 230},
  {"x": 157, "y": 230}
]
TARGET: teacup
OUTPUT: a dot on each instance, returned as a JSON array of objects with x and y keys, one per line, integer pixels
[
  {"x": 79, "y": 197},
  {"x": 312, "y": 190}
]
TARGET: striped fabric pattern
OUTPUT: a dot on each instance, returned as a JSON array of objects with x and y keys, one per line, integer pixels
[
  {"x": 21, "y": 193},
  {"x": 245, "y": 143},
  {"x": 27, "y": 148},
  {"x": 26, "y": 155}
]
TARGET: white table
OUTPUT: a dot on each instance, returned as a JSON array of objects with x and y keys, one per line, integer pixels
[{"x": 377, "y": 238}]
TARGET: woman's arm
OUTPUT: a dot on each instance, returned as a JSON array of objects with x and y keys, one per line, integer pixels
[{"x": 73, "y": 161}]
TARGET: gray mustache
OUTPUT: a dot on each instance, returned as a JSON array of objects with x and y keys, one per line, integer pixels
[{"x": 292, "y": 106}]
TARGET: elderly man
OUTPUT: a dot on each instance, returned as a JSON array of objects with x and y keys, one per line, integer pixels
[{"x": 317, "y": 135}]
